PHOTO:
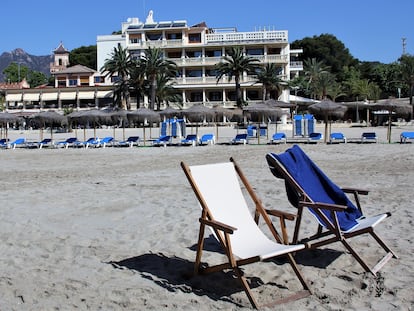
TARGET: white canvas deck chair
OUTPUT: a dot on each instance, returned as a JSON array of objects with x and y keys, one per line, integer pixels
[
  {"x": 226, "y": 212},
  {"x": 339, "y": 219}
]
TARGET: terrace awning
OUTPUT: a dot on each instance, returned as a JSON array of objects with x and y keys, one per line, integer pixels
[
  {"x": 67, "y": 95},
  {"x": 14, "y": 97},
  {"x": 31, "y": 97},
  {"x": 86, "y": 95},
  {"x": 49, "y": 96}
]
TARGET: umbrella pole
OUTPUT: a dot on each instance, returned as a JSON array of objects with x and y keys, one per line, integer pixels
[{"x": 389, "y": 128}]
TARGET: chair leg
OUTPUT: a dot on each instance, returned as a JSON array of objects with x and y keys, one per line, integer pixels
[{"x": 246, "y": 287}]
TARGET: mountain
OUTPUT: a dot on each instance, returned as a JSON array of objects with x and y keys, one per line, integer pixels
[{"x": 36, "y": 63}]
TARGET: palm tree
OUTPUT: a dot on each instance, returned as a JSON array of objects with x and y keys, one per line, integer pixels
[
  {"x": 269, "y": 76},
  {"x": 165, "y": 90},
  {"x": 234, "y": 64},
  {"x": 120, "y": 64},
  {"x": 154, "y": 64},
  {"x": 313, "y": 70},
  {"x": 138, "y": 82}
]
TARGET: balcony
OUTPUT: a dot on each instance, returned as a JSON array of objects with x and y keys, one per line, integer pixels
[
  {"x": 297, "y": 65},
  {"x": 256, "y": 36}
]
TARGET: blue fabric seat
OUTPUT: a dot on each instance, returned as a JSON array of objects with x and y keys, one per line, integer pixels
[
  {"x": 339, "y": 218},
  {"x": 191, "y": 139},
  {"x": 337, "y": 137},
  {"x": 406, "y": 137},
  {"x": 240, "y": 139},
  {"x": 278, "y": 138},
  {"x": 207, "y": 139}
]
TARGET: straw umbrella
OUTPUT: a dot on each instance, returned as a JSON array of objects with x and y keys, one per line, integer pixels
[
  {"x": 92, "y": 117},
  {"x": 327, "y": 109},
  {"x": 119, "y": 117},
  {"x": 44, "y": 119},
  {"x": 143, "y": 115},
  {"x": 5, "y": 119},
  {"x": 198, "y": 114},
  {"x": 262, "y": 112},
  {"x": 393, "y": 107}
]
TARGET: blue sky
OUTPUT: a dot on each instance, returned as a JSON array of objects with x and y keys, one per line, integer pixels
[{"x": 372, "y": 30}]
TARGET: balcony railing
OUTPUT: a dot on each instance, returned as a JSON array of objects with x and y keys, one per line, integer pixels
[{"x": 279, "y": 36}]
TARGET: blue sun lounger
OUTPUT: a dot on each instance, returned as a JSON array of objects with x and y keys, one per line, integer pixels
[
  {"x": 239, "y": 139},
  {"x": 190, "y": 140},
  {"x": 207, "y": 139},
  {"x": 162, "y": 141},
  {"x": 278, "y": 138},
  {"x": 336, "y": 138},
  {"x": 406, "y": 137},
  {"x": 130, "y": 142}
]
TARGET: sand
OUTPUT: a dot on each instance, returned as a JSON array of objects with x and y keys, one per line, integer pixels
[{"x": 116, "y": 228}]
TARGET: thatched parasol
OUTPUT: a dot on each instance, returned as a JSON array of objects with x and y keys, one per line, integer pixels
[
  {"x": 327, "y": 109},
  {"x": 198, "y": 114},
  {"x": 5, "y": 119},
  {"x": 44, "y": 119},
  {"x": 393, "y": 107},
  {"x": 93, "y": 117},
  {"x": 143, "y": 115},
  {"x": 169, "y": 113}
]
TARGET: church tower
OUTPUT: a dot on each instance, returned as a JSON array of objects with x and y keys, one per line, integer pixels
[{"x": 61, "y": 59}]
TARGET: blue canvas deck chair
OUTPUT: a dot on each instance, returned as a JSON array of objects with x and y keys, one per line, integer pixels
[
  {"x": 225, "y": 211},
  {"x": 104, "y": 142},
  {"x": 130, "y": 142},
  {"x": 190, "y": 140},
  {"x": 240, "y": 139},
  {"x": 338, "y": 217},
  {"x": 336, "y": 138},
  {"x": 406, "y": 137},
  {"x": 207, "y": 139},
  {"x": 369, "y": 137},
  {"x": 278, "y": 138}
]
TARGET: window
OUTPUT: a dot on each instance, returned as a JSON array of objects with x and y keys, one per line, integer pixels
[
  {"x": 174, "y": 54},
  {"x": 253, "y": 95},
  {"x": 255, "y": 51},
  {"x": 211, "y": 72},
  {"x": 154, "y": 36},
  {"x": 174, "y": 36},
  {"x": 99, "y": 79},
  {"x": 213, "y": 53},
  {"x": 194, "y": 73},
  {"x": 215, "y": 96},
  {"x": 114, "y": 79},
  {"x": 196, "y": 97},
  {"x": 73, "y": 82},
  {"x": 193, "y": 54},
  {"x": 194, "y": 37}
]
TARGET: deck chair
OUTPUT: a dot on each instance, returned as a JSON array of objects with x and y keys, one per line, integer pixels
[
  {"x": 207, "y": 139},
  {"x": 226, "y": 213},
  {"x": 278, "y": 138},
  {"x": 406, "y": 137},
  {"x": 338, "y": 217},
  {"x": 315, "y": 137},
  {"x": 190, "y": 140},
  {"x": 130, "y": 142},
  {"x": 163, "y": 140},
  {"x": 336, "y": 138},
  {"x": 240, "y": 139},
  {"x": 369, "y": 137}
]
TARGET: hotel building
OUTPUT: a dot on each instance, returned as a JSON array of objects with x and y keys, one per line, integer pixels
[{"x": 194, "y": 49}]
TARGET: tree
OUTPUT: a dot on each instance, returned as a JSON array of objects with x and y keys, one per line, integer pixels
[
  {"x": 120, "y": 65},
  {"x": 138, "y": 82},
  {"x": 165, "y": 90},
  {"x": 328, "y": 48},
  {"x": 269, "y": 76},
  {"x": 234, "y": 64},
  {"x": 407, "y": 76},
  {"x": 15, "y": 72},
  {"x": 154, "y": 64},
  {"x": 84, "y": 55},
  {"x": 313, "y": 70}
]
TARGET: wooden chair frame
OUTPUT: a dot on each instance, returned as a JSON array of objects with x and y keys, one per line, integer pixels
[{"x": 331, "y": 232}]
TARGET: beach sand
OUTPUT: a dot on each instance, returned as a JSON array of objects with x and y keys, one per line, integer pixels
[{"x": 116, "y": 229}]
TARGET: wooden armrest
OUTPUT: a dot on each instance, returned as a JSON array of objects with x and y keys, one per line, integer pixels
[
  {"x": 334, "y": 207},
  {"x": 280, "y": 214},
  {"x": 218, "y": 225},
  {"x": 355, "y": 190}
]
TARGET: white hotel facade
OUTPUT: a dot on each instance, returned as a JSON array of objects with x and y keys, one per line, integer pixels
[{"x": 197, "y": 49}]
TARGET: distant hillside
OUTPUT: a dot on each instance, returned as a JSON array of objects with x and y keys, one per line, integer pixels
[{"x": 36, "y": 63}]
